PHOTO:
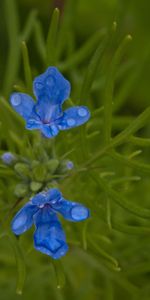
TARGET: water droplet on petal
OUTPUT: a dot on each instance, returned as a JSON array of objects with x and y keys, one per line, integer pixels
[
  {"x": 16, "y": 100},
  {"x": 71, "y": 122},
  {"x": 54, "y": 129},
  {"x": 49, "y": 81},
  {"x": 79, "y": 213},
  {"x": 39, "y": 85},
  {"x": 41, "y": 206},
  {"x": 82, "y": 112}
]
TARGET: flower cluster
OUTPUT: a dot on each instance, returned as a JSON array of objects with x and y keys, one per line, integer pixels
[{"x": 51, "y": 89}]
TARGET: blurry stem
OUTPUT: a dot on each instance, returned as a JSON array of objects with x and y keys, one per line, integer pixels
[
  {"x": 119, "y": 199},
  {"x": 84, "y": 234},
  {"x": 80, "y": 55},
  {"x": 87, "y": 84},
  {"x": 60, "y": 275},
  {"x": 39, "y": 40},
  {"x": 109, "y": 89},
  {"x": 13, "y": 59},
  {"x": 21, "y": 268},
  {"x": 138, "y": 141},
  {"x": 109, "y": 290},
  {"x": 141, "y": 167},
  {"x": 13, "y": 54},
  {"x": 123, "y": 136},
  {"x": 108, "y": 212},
  {"x": 29, "y": 25}
]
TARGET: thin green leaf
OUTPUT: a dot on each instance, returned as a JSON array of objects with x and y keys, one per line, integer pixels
[
  {"x": 138, "y": 141},
  {"x": 27, "y": 67},
  {"x": 21, "y": 269},
  {"x": 51, "y": 38},
  {"x": 122, "y": 137},
  {"x": 91, "y": 69},
  {"x": 109, "y": 88},
  {"x": 141, "y": 167},
  {"x": 60, "y": 275},
  {"x": 132, "y": 230},
  {"x": 12, "y": 64},
  {"x": 82, "y": 54},
  {"x": 29, "y": 25},
  {"x": 40, "y": 41},
  {"x": 120, "y": 199},
  {"x": 105, "y": 255}
]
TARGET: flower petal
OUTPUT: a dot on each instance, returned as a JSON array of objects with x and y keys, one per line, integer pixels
[
  {"x": 49, "y": 237},
  {"x": 47, "y": 112},
  {"x": 53, "y": 195},
  {"x": 74, "y": 116},
  {"x": 22, "y": 104},
  {"x": 49, "y": 131},
  {"x": 23, "y": 219},
  {"x": 34, "y": 121},
  {"x": 72, "y": 211},
  {"x": 39, "y": 199},
  {"x": 52, "y": 86},
  {"x": 51, "y": 90}
]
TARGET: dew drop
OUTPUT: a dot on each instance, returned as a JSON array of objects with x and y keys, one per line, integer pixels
[
  {"x": 79, "y": 213},
  {"x": 49, "y": 81},
  {"x": 39, "y": 86},
  {"x": 82, "y": 112},
  {"x": 16, "y": 100},
  {"x": 71, "y": 122},
  {"x": 41, "y": 206}
]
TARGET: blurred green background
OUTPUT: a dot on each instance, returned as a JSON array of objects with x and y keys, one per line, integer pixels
[{"x": 109, "y": 256}]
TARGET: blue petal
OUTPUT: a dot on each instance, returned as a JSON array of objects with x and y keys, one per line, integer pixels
[
  {"x": 51, "y": 90},
  {"x": 49, "y": 131},
  {"x": 34, "y": 121},
  {"x": 48, "y": 112},
  {"x": 53, "y": 196},
  {"x": 22, "y": 104},
  {"x": 23, "y": 219},
  {"x": 49, "y": 197},
  {"x": 39, "y": 199},
  {"x": 72, "y": 211},
  {"x": 74, "y": 116},
  {"x": 52, "y": 86},
  {"x": 49, "y": 237}
]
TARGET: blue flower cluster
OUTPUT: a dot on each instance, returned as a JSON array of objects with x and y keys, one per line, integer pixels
[{"x": 51, "y": 89}]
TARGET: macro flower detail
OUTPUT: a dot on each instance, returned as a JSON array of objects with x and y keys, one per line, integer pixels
[
  {"x": 42, "y": 209},
  {"x": 51, "y": 89},
  {"x": 7, "y": 158}
]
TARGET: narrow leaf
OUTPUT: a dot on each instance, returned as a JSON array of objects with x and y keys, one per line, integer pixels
[
  {"x": 51, "y": 38},
  {"x": 109, "y": 88},
  {"x": 21, "y": 269},
  {"x": 27, "y": 67}
]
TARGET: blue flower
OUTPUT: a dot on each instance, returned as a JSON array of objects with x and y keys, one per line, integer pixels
[
  {"x": 69, "y": 165},
  {"x": 7, "y": 158},
  {"x": 42, "y": 210},
  {"x": 51, "y": 89}
]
